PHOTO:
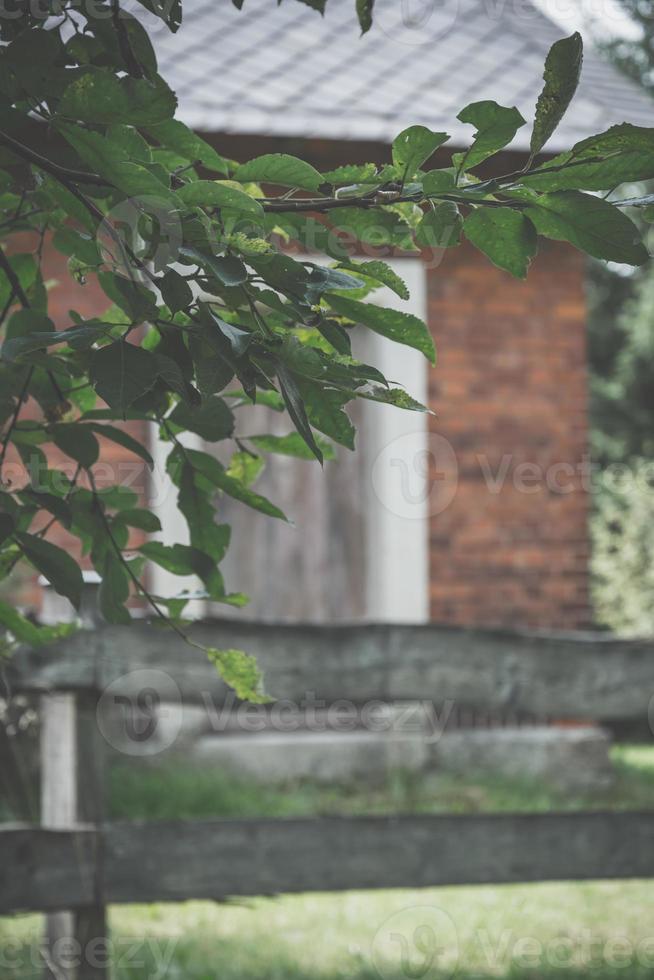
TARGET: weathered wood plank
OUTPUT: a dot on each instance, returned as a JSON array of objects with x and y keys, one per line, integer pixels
[
  {"x": 183, "y": 860},
  {"x": 569, "y": 675},
  {"x": 46, "y": 870},
  {"x": 175, "y": 861}
]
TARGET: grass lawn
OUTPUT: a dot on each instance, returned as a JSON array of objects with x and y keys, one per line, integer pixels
[{"x": 598, "y": 930}]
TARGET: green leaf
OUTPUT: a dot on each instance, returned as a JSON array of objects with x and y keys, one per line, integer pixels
[
  {"x": 364, "y": 13},
  {"x": 133, "y": 298},
  {"x": 240, "y": 671},
  {"x": 589, "y": 223},
  {"x": 179, "y": 559},
  {"x": 58, "y": 507},
  {"x": 404, "y": 328},
  {"x": 23, "y": 323},
  {"x": 622, "y": 154},
  {"x": 216, "y": 473},
  {"x": 381, "y": 273},
  {"x": 76, "y": 336},
  {"x": 296, "y": 409},
  {"x": 121, "y": 373},
  {"x": 174, "y": 135},
  {"x": 61, "y": 571},
  {"x": 394, "y": 396},
  {"x": 290, "y": 445},
  {"x": 142, "y": 519},
  {"x": 413, "y": 147},
  {"x": 114, "y": 591},
  {"x": 220, "y": 194},
  {"x": 439, "y": 181},
  {"x": 372, "y": 226},
  {"x": 98, "y": 96},
  {"x": 26, "y": 632},
  {"x": 212, "y": 419},
  {"x": 507, "y": 237},
  {"x": 352, "y": 174},
  {"x": 82, "y": 246},
  {"x": 7, "y": 527},
  {"x": 123, "y": 439},
  {"x": 245, "y": 467},
  {"x": 176, "y": 292},
  {"x": 77, "y": 441},
  {"x": 561, "y": 76},
  {"x": 229, "y": 270},
  {"x": 496, "y": 126},
  {"x": 282, "y": 169},
  {"x": 195, "y": 501},
  {"x": 324, "y": 409},
  {"x": 440, "y": 227}
]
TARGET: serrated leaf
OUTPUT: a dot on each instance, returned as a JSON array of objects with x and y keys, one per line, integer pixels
[
  {"x": 239, "y": 670},
  {"x": 393, "y": 396},
  {"x": 506, "y": 236},
  {"x": 404, "y": 328},
  {"x": 352, "y": 174},
  {"x": 561, "y": 76},
  {"x": 589, "y": 223},
  {"x": 371, "y": 226},
  {"x": 413, "y": 147},
  {"x": 62, "y": 572},
  {"x": 381, "y": 273},
  {"x": 282, "y": 169}
]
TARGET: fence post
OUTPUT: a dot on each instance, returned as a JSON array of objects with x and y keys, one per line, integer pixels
[{"x": 72, "y": 791}]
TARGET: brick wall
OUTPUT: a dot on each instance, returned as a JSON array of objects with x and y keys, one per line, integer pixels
[{"x": 511, "y": 549}]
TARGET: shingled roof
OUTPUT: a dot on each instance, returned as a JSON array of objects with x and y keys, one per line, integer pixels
[{"x": 283, "y": 71}]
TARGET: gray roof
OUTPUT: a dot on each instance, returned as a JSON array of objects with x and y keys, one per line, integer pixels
[{"x": 285, "y": 71}]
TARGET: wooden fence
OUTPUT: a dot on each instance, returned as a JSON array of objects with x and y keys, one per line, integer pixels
[{"x": 76, "y": 860}]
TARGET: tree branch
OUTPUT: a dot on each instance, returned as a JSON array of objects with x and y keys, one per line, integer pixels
[{"x": 27, "y": 153}]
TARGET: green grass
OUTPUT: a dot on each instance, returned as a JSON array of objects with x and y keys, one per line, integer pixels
[
  {"x": 599, "y": 930},
  {"x": 561, "y": 931},
  {"x": 167, "y": 793}
]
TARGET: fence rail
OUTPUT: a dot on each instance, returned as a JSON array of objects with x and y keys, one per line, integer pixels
[
  {"x": 45, "y": 870},
  {"x": 79, "y": 862},
  {"x": 567, "y": 675}
]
